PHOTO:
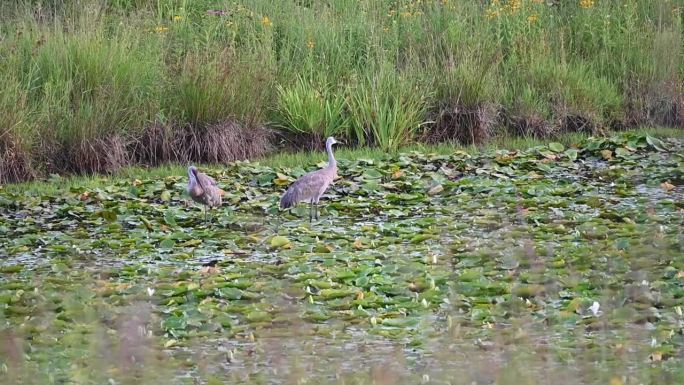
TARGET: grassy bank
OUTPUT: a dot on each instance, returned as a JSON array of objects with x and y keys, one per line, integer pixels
[{"x": 100, "y": 85}]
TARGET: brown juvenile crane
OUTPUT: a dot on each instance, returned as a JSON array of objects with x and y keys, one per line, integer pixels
[
  {"x": 311, "y": 186},
  {"x": 203, "y": 189}
]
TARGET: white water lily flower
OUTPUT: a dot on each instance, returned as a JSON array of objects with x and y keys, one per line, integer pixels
[
  {"x": 595, "y": 308},
  {"x": 150, "y": 291}
]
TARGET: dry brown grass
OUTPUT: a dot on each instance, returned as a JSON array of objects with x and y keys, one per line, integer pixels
[
  {"x": 156, "y": 145},
  {"x": 533, "y": 126},
  {"x": 98, "y": 155},
  {"x": 222, "y": 142},
  {"x": 15, "y": 160},
  {"x": 466, "y": 125},
  {"x": 659, "y": 104}
]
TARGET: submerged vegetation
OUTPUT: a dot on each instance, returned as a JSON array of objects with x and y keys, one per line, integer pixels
[
  {"x": 559, "y": 263},
  {"x": 92, "y": 86}
]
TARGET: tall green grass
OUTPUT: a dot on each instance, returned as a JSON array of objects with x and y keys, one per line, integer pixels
[
  {"x": 93, "y": 86},
  {"x": 317, "y": 111},
  {"x": 387, "y": 108}
]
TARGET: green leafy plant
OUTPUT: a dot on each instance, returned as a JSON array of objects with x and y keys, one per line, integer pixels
[
  {"x": 386, "y": 110},
  {"x": 306, "y": 109}
]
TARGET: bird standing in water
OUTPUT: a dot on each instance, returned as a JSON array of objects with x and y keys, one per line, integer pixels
[
  {"x": 203, "y": 189},
  {"x": 311, "y": 186}
]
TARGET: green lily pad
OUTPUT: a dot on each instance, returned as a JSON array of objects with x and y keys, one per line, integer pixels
[{"x": 556, "y": 147}]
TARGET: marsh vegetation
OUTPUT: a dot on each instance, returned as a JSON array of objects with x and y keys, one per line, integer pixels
[
  {"x": 555, "y": 264},
  {"x": 93, "y": 86}
]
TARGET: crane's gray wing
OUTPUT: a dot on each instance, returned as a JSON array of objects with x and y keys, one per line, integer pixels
[
  {"x": 205, "y": 180},
  {"x": 303, "y": 189},
  {"x": 211, "y": 181}
]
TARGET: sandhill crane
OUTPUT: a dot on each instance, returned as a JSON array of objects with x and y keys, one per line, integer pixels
[
  {"x": 203, "y": 189},
  {"x": 311, "y": 186}
]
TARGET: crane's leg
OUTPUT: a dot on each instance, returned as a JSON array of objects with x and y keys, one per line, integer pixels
[
  {"x": 316, "y": 210},
  {"x": 205, "y": 214},
  {"x": 311, "y": 207}
]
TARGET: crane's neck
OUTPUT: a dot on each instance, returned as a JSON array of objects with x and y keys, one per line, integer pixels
[
  {"x": 331, "y": 158},
  {"x": 191, "y": 175}
]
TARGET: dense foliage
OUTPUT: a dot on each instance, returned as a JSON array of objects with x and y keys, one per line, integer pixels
[{"x": 95, "y": 85}]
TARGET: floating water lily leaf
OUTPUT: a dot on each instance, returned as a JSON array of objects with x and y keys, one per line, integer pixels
[
  {"x": 556, "y": 147},
  {"x": 169, "y": 218},
  {"x": 403, "y": 322},
  {"x": 258, "y": 316},
  {"x": 230, "y": 293},
  {"x": 191, "y": 243},
  {"x": 167, "y": 243},
  {"x": 622, "y": 152},
  {"x": 174, "y": 323},
  {"x": 281, "y": 180},
  {"x": 322, "y": 248},
  {"x": 656, "y": 143},
  {"x": 108, "y": 215},
  {"x": 11, "y": 269},
  {"x": 165, "y": 196},
  {"x": 336, "y": 293},
  {"x": 279, "y": 241},
  {"x": 418, "y": 238},
  {"x": 372, "y": 174}
]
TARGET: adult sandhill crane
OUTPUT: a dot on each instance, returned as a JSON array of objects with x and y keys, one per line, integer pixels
[
  {"x": 311, "y": 186},
  {"x": 203, "y": 189}
]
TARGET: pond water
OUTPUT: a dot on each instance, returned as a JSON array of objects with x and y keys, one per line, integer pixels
[{"x": 549, "y": 265}]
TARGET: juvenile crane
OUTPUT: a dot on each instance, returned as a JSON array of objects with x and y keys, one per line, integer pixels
[
  {"x": 311, "y": 186},
  {"x": 203, "y": 189}
]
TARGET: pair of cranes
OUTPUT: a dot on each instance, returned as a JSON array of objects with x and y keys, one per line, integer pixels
[{"x": 309, "y": 187}]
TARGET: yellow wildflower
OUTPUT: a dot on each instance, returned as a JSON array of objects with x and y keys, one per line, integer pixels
[
  {"x": 177, "y": 18},
  {"x": 587, "y": 3},
  {"x": 310, "y": 44},
  {"x": 514, "y": 5},
  {"x": 492, "y": 13},
  {"x": 266, "y": 21},
  {"x": 537, "y": 1},
  {"x": 532, "y": 18},
  {"x": 161, "y": 29},
  {"x": 405, "y": 14}
]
